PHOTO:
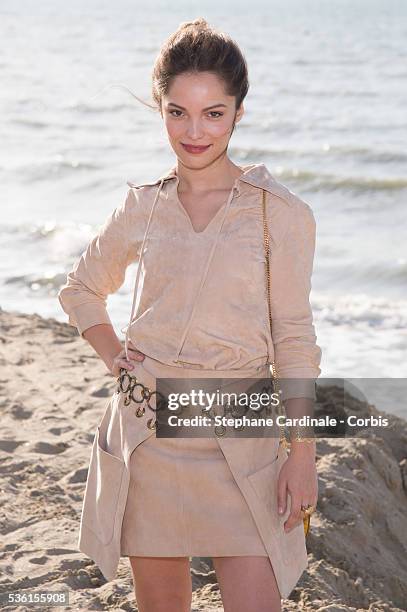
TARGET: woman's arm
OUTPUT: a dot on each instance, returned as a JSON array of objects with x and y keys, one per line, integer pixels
[
  {"x": 101, "y": 271},
  {"x": 104, "y": 341},
  {"x": 296, "y": 353}
]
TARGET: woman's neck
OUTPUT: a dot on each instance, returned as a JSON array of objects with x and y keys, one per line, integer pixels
[{"x": 220, "y": 174}]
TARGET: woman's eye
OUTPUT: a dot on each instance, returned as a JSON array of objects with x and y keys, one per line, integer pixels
[{"x": 213, "y": 114}]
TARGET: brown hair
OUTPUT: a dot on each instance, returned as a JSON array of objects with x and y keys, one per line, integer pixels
[{"x": 197, "y": 47}]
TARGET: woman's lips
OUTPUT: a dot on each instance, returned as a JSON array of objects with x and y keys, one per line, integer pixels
[{"x": 194, "y": 149}]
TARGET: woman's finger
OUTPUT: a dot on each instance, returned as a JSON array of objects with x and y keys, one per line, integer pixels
[
  {"x": 135, "y": 352},
  {"x": 124, "y": 363},
  {"x": 295, "y": 516},
  {"x": 281, "y": 493},
  {"x": 121, "y": 361}
]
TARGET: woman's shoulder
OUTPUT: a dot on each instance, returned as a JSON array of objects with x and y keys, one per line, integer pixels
[
  {"x": 282, "y": 191},
  {"x": 285, "y": 208},
  {"x": 282, "y": 201},
  {"x": 140, "y": 185},
  {"x": 141, "y": 194},
  {"x": 146, "y": 184},
  {"x": 280, "y": 195}
]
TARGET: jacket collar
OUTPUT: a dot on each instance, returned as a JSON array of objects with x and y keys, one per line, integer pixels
[{"x": 256, "y": 175}]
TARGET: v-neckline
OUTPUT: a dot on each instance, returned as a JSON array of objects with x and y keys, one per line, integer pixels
[
  {"x": 189, "y": 218},
  {"x": 215, "y": 216}
]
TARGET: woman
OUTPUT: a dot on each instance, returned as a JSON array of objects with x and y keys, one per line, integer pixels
[{"x": 201, "y": 313}]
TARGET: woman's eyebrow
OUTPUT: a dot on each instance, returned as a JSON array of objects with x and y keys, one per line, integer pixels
[{"x": 205, "y": 109}]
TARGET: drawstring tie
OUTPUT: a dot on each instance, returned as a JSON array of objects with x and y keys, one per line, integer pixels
[
  {"x": 203, "y": 278},
  {"x": 135, "y": 292}
]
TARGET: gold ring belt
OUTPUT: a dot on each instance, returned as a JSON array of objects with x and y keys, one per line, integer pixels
[{"x": 135, "y": 391}]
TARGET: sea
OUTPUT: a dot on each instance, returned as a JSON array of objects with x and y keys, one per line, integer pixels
[{"x": 326, "y": 112}]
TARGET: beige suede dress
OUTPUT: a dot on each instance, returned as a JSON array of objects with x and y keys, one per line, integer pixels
[{"x": 199, "y": 310}]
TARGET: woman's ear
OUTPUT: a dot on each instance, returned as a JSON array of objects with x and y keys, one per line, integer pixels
[{"x": 239, "y": 113}]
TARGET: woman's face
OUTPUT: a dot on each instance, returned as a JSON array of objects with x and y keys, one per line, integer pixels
[{"x": 197, "y": 112}]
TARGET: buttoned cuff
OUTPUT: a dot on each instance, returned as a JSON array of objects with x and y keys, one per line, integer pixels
[
  {"x": 87, "y": 315},
  {"x": 293, "y": 386}
]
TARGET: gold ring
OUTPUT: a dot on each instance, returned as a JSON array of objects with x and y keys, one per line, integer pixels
[{"x": 308, "y": 509}]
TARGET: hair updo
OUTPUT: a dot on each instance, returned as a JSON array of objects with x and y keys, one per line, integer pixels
[{"x": 197, "y": 47}]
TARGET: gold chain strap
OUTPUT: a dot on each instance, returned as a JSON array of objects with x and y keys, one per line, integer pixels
[
  {"x": 283, "y": 439},
  {"x": 297, "y": 437}
]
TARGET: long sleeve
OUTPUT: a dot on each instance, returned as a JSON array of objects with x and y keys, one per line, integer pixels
[
  {"x": 297, "y": 355},
  {"x": 101, "y": 269}
]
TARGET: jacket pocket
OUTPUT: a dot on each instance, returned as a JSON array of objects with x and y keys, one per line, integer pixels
[
  {"x": 102, "y": 491},
  {"x": 264, "y": 483}
]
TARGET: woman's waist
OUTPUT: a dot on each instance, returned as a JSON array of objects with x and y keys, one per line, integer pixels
[
  {"x": 180, "y": 380},
  {"x": 185, "y": 369},
  {"x": 203, "y": 352}
]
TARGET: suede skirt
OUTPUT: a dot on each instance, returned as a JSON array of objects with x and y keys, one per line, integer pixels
[{"x": 183, "y": 499}]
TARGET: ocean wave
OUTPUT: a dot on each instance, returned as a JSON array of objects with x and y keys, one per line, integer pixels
[
  {"x": 364, "y": 183},
  {"x": 32, "y": 123},
  {"x": 325, "y": 151},
  {"x": 354, "y": 310},
  {"x": 94, "y": 109},
  {"x": 331, "y": 182},
  {"x": 58, "y": 167},
  {"x": 50, "y": 239},
  {"x": 43, "y": 284}
]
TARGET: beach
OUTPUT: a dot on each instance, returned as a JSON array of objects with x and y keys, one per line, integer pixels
[
  {"x": 325, "y": 112},
  {"x": 53, "y": 389}
]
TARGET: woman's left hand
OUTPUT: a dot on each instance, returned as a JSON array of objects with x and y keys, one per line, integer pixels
[{"x": 298, "y": 477}]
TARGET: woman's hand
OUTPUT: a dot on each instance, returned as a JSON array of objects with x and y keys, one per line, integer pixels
[
  {"x": 298, "y": 476},
  {"x": 120, "y": 361}
]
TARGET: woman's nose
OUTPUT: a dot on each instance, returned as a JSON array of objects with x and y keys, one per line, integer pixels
[{"x": 195, "y": 129}]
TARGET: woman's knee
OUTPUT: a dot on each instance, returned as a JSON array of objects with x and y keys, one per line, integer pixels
[
  {"x": 247, "y": 584},
  {"x": 162, "y": 584},
  {"x": 164, "y": 601}
]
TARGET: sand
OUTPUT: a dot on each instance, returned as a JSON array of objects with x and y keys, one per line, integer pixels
[{"x": 52, "y": 394}]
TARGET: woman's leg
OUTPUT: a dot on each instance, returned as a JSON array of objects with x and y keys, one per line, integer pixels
[
  {"x": 162, "y": 584},
  {"x": 247, "y": 584}
]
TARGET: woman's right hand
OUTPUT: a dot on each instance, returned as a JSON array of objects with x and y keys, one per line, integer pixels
[{"x": 120, "y": 361}]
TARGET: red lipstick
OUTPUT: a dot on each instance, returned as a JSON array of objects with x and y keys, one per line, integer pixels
[{"x": 195, "y": 149}]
